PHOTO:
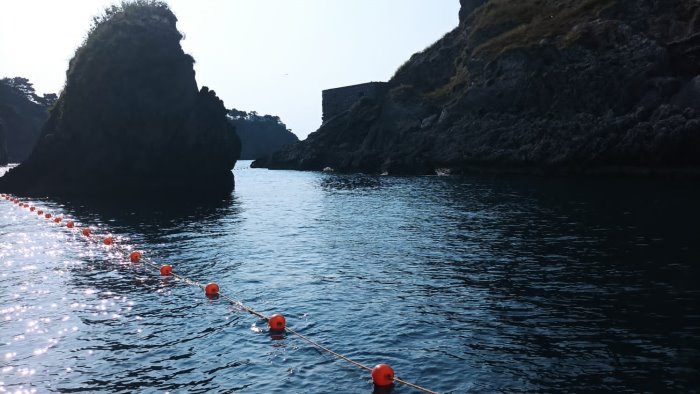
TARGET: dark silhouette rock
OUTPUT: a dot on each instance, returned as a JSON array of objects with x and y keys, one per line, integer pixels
[
  {"x": 131, "y": 119},
  {"x": 260, "y": 135},
  {"x": 582, "y": 86},
  {"x": 23, "y": 112}
]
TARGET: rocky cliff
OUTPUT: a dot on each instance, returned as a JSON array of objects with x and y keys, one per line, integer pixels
[
  {"x": 130, "y": 119},
  {"x": 23, "y": 112},
  {"x": 531, "y": 86},
  {"x": 260, "y": 135}
]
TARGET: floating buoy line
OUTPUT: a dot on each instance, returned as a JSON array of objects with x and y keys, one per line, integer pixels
[{"x": 382, "y": 374}]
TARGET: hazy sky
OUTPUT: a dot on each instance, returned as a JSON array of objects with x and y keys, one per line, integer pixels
[{"x": 270, "y": 56}]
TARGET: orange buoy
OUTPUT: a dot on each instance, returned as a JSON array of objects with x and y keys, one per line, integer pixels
[
  {"x": 57, "y": 219},
  {"x": 86, "y": 231},
  {"x": 32, "y": 209},
  {"x": 108, "y": 241},
  {"x": 276, "y": 322},
  {"x": 211, "y": 290},
  {"x": 70, "y": 224},
  {"x": 48, "y": 216},
  {"x": 135, "y": 257},
  {"x": 40, "y": 212},
  {"x": 166, "y": 270},
  {"x": 382, "y": 375}
]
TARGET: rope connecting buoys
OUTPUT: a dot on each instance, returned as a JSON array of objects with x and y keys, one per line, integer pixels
[
  {"x": 211, "y": 290},
  {"x": 382, "y": 374},
  {"x": 277, "y": 323},
  {"x": 135, "y": 257},
  {"x": 166, "y": 270}
]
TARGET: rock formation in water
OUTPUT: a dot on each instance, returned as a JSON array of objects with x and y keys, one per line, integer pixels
[
  {"x": 23, "y": 112},
  {"x": 130, "y": 119},
  {"x": 260, "y": 135},
  {"x": 531, "y": 86}
]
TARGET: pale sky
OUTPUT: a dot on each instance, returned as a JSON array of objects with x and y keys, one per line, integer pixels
[{"x": 270, "y": 56}]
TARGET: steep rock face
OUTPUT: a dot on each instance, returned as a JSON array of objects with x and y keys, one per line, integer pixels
[
  {"x": 260, "y": 135},
  {"x": 531, "y": 86},
  {"x": 130, "y": 118},
  {"x": 23, "y": 118}
]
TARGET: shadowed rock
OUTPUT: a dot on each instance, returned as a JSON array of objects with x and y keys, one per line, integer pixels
[{"x": 131, "y": 119}]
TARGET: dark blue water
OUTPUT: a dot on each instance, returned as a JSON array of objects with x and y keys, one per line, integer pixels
[{"x": 462, "y": 284}]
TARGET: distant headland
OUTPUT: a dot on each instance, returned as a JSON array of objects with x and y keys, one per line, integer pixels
[
  {"x": 552, "y": 86},
  {"x": 260, "y": 135},
  {"x": 22, "y": 114}
]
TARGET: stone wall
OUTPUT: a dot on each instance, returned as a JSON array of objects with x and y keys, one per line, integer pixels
[{"x": 339, "y": 100}]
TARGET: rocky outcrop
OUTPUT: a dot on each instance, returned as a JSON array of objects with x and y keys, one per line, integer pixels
[
  {"x": 531, "y": 86},
  {"x": 23, "y": 113},
  {"x": 131, "y": 119},
  {"x": 260, "y": 135}
]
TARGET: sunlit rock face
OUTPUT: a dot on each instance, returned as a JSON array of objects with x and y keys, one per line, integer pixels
[
  {"x": 130, "y": 118},
  {"x": 563, "y": 86}
]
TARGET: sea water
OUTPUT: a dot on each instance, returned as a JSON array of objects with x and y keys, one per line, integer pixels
[{"x": 461, "y": 284}]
